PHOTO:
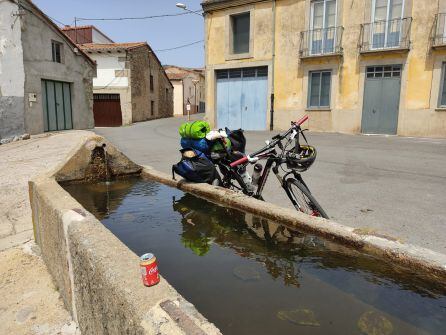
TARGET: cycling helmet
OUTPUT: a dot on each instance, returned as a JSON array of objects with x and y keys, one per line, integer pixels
[{"x": 303, "y": 160}]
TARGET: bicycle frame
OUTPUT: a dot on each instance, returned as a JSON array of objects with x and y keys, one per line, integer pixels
[{"x": 272, "y": 162}]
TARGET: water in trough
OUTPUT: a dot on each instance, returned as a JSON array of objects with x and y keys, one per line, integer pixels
[{"x": 251, "y": 276}]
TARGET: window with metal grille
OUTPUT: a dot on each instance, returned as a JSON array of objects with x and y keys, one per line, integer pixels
[
  {"x": 319, "y": 89},
  {"x": 56, "y": 49},
  {"x": 105, "y": 96},
  {"x": 387, "y": 71},
  {"x": 240, "y": 24},
  {"x": 248, "y": 72}
]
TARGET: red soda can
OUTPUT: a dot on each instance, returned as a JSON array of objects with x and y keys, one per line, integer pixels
[{"x": 149, "y": 270}]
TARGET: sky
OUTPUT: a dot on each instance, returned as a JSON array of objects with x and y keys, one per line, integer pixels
[{"x": 160, "y": 33}]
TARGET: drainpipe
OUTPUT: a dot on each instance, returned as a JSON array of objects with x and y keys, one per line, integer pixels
[{"x": 271, "y": 123}]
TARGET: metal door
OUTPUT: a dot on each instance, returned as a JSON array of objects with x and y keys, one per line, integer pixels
[
  {"x": 242, "y": 98},
  {"x": 56, "y": 100},
  {"x": 381, "y": 99}
]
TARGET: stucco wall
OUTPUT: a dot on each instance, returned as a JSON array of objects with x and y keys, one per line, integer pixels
[
  {"x": 177, "y": 97},
  {"x": 75, "y": 69},
  {"x": 12, "y": 75},
  {"x": 107, "y": 64},
  {"x": 420, "y": 81}
]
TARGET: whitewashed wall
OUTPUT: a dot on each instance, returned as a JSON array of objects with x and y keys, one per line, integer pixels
[
  {"x": 107, "y": 64},
  {"x": 100, "y": 38},
  {"x": 12, "y": 73}
]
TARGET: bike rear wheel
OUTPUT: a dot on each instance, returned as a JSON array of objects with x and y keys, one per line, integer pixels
[{"x": 302, "y": 199}]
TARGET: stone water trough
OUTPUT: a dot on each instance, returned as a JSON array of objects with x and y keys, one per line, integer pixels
[{"x": 98, "y": 276}]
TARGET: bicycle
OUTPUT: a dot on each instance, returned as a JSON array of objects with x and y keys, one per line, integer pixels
[{"x": 299, "y": 158}]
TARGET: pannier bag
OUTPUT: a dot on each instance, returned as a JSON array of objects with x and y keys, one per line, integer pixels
[
  {"x": 202, "y": 145},
  {"x": 194, "y": 130},
  {"x": 195, "y": 166},
  {"x": 237, "y": 139}
]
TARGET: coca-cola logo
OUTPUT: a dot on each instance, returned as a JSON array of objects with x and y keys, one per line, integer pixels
[{"x": 153, "y": 270}]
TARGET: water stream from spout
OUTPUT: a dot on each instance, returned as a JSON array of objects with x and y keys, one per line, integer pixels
[{"x": 107, "y": 177}]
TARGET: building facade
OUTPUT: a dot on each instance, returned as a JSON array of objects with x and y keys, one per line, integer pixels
[
  {"x": 130, "y": 85},
  {"x": 45, "y": 80},
  {"x": 188, "y": 86},
  {"x": 365, "y": 66}
]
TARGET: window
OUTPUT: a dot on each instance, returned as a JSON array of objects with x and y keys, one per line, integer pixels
[
  {"x": 240, "y": 25},
  {"x": 322, "y": 26},
  {"x": 152, "y": 107},
  {"x": 56, "y": 49},
  {"x": 319, "y": 89},
  {"x": 386, "y": 18},
  {"x": 442, "y": 96},
  {"x": 167, "y": 94},
  {"x": 388, "y": 71},
  {"x": 151, "y": 83}
]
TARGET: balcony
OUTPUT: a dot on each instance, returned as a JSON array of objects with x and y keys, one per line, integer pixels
[
  {"x": 321, "y": 42},
  {"x": 380, "y": 36},
  {"x": 439, "y": 32}
]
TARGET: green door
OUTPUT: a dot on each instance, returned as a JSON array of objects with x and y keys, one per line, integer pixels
[
  {"x": 381, "y": 100},
  {"x": 56, "y": 100}
]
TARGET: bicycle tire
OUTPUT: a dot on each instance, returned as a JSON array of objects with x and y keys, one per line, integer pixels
[{"x": 306, "y": 204}]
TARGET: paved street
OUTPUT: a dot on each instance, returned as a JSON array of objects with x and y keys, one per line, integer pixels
[{"x": 389, "y": 185}]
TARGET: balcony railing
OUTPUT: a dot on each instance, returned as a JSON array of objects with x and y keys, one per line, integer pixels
[
  {"x": 385, "y": 35},
  {"x": 439, "y": 31},
  {"x": 321, "y": 42}
]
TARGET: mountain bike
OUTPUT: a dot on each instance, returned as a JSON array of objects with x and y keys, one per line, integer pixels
[{"x": 283, "y": 153}]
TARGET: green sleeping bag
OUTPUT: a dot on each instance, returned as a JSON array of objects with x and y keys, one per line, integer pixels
[{"x": 194, "y": 130}]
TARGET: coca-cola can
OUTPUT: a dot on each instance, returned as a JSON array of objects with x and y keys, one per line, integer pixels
[{"x": 149, "y": 270}]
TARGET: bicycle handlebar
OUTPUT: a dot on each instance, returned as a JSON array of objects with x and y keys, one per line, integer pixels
[
  {"x": 302, "y": 120},
  {"x": 272, "y": 144},
  {"x": 239, "y": 161}
]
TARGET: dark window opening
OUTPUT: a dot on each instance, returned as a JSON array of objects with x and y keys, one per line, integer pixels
[
  {"x": 151, "y": 83},
  {"x": 56, "y": 49},
  {"x": 152, "y": 107}
]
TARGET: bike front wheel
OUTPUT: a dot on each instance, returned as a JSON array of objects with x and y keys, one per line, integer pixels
[{"x": 302, "y": 199}]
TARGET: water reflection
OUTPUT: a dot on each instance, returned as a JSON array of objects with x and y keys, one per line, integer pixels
[{"x": 246, "y": 234}]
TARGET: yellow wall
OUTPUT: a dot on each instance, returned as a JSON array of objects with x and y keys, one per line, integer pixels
[{"x": 420, "y": 81}]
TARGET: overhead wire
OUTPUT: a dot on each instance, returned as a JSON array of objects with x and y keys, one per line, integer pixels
[
  {"x": 136, "y": 17},
  {"x": 179, "y": 47}
]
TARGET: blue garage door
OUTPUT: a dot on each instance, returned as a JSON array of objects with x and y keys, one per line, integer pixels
[{"x": 242, "y": 96}]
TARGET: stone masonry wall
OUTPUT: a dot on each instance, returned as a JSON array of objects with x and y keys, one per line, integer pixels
[{"x": 143, "y": 64}]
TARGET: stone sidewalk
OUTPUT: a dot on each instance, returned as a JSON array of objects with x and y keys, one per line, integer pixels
[{"x": 29, "y": 301}]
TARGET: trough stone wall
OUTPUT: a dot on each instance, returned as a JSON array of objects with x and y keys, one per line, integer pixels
[{"x": 97, "y": 276}]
